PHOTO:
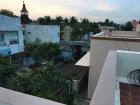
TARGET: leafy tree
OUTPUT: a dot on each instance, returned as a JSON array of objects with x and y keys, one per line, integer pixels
[
  {"x": 3, "y": 61},
  {"x": 59, "y": 19},
  {"x": 79, "y": 29},
  {"x": 111, "y": 23},
  {"x": 44, "y": 51},
  {"x": 128, "y": 26},
  {"x": 46, "y": 20},
  {"x": 85, "y": 21},
  {"x": 6, "y": 71},
  {"x": 95, "y": 28},
  {"x": 102, "y": 23},
  {"x": 47, "y": 83},
  {"x": 107, "y": 22},
  {"x": 7, "y": 13},
  {"x": 66, "y": 20},
  {"x": 73, "y": 20}
]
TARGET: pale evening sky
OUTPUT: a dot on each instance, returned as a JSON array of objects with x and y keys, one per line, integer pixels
[{"x": 96, "y": 10}]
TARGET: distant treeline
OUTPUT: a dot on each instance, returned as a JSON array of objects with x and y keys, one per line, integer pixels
[{"x": 80, "y": 26}]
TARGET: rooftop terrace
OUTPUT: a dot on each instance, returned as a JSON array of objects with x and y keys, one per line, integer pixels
[
  {"x": 114, "y": 87},
  {"x": 118, "y": 35}
]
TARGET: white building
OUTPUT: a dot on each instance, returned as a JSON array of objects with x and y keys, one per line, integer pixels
[
  {"x": 101, "y": 44},
  {"x": 117, "y": 82},
  {"x": 66, "y": 36},
  {"x": 11, "y": 35},
  {"x": 138, "y": 28},
  {"x": 44, "y": 33}
]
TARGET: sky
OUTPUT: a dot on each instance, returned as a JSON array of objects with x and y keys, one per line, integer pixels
[{"x": 95, "y": 10}]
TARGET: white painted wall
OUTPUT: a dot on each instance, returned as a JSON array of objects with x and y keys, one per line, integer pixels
[
  {"x": 9, "y": 23},
  {"x": 138, "y": 28},
  {"x": 46, "y": 33},
  {"x": 127, "y": 62},
  {"x": 115, "y": 69},
  {"x": 67, "y": 33},
  {"x": 98, "y": 52},
  {"x": 11, "y": 28},
  {"x": 17, "y": 98},
  {"x": 105, "y": 90}
]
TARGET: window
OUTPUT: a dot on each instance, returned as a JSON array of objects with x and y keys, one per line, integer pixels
[
  {"x": 1, "y": 37},
  {"x": 23, "y": 32},
  {"x": 13, "y": 42},
  {"x": 29, "y": 33}
]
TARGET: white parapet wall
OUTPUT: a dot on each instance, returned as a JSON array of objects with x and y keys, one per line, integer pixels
[
  {"x": 10, "y": 97},
  {"x": 127, "y": 62},
  {"x": 105, "y": 90},
  {"x": 138, "y": 28}
]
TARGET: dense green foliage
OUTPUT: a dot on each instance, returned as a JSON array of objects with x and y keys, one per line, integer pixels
[
  {"x": 6, "y": 71},
  {"x": 44, "y": 20},
  {"x": 46, "y": 82},
  {"x": 44, "y": 51},
  {"x": 127, "y": 27},
  {"x": 79, "y": 27},
  {"x": 7, "y": 13},
  {"x": 3, "y": 61}
]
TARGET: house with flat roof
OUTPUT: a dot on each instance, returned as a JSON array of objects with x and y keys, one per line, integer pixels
[
  {"x": 101, "y": 44},
  {"x": 42, "y": 33},
  {"x": 11, "y": 35},
  {"x": 66, "y": 33}
]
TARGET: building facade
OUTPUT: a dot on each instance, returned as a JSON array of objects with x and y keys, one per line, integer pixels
[
  {"x": 42, "y": 33},
  {"x": 11, "y": 35},
  {"x": 101, "y": 45},
  {"x": 66, "y": 34}
]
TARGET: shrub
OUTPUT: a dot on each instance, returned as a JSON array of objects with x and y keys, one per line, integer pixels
[
  {"x": 47, "y": 83},
  {"x": 44, "y": 51}
]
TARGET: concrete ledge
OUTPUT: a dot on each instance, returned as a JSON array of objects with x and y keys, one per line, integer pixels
[{"x": 16, "y": 98}]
